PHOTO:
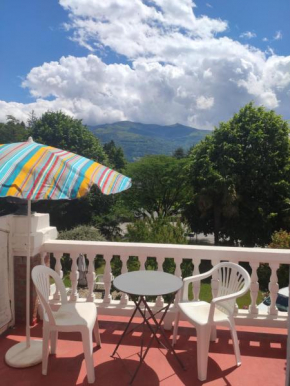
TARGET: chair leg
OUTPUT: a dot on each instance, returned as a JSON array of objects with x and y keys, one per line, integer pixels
[
  {"x": 97, "y": 333},
  {"x": 175, "y": 328},
  {"x": 88, "y": 351},
  {"x": 45, "y": 349},
  {"x": 235, "y": 342},
  {"x": 53, "y": 339},
  {"x": 203, "y": 337}
]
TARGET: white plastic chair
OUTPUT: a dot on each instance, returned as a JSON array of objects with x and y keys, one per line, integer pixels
[
  {"x": 70, "y": 317},
  {"x": 233, "y": 281}
]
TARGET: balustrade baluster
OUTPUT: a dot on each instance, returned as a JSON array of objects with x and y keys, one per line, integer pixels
[
  {"x": 196, "y": 284},
  {"x": 74, "y": 276},
  {"x": 124, "y": 297},
  {"x": 160, "y": 300},
  {"x": 178, "y": 262},
  {"x": 273, "y": 288},
  {"x": 107, "y": 279},
  {"x": 254, "y": 288},
  {"x": 91, "y": 277},
  {"x": 58, "y": 269},
  {"x": 142, "y": 259},
  {"x": 214, "y": 280}
]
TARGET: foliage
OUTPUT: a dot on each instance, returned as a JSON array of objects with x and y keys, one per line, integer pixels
[
  {"x": 179, "y": 153},
  {"x": 85, "y": 233},
  {"x": 159, "y": 230},
  {"x": 159, "y": 187},
  {"x": 109, "y": 221},
  {"x": 240, "y": 176},
  {"x": 115, "y": 155},
  {"x": 12, "y": 131},
  {"x": 281, "y": 240},
  {"x": 62, "y": 131},
  {"x": 82, "y": 232}
]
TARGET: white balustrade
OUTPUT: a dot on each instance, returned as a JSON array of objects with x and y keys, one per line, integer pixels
[{"x": 253, "y": 256}]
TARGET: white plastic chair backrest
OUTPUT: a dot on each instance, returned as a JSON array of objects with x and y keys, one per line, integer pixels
[
  {"x": 40, "y": 277},
  {"x": 232, "y": 278}
]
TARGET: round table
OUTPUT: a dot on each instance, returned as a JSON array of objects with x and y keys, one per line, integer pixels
[
  {"x": 140, "y": 284},
  {"x": 147, "y": 283}
]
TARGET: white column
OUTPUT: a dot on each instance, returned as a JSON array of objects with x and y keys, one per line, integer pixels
[
  {"x": 214, "y": 280},
  {"x": 91, "y": 277},
  {"x": 196, "y": 284},
  {"x": 58, "y": 269},
  {"x": 125, "y": 297},
  {"x": 142, "y": 260},
  {"x": 160, "y": 299},
  {"x": 273, "y": 288},
  {"x": 74, "y": 277},
  {"x": 107, "y": 280},
  {"x": 254, "y": 288}
]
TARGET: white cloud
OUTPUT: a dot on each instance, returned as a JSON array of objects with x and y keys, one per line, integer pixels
[
  {"x": 178, "y": 68},
  {"x": 204, "y": 103},
  {"x": 278, "y": 35},
  {"x": 248, "y": 35}
]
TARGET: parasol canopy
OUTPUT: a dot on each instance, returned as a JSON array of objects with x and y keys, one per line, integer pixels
[{"x": 34, "y": 171}]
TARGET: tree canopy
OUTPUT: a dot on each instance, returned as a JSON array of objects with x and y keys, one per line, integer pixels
[
  {"x": 62, "y": 131},
  {"x": 12, "y": 131},
  {"x": 159, "y": 186},
  {"x": 240, "y": 176}
]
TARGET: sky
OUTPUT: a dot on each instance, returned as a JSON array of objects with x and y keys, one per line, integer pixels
[{"x": 150, "y": 61}]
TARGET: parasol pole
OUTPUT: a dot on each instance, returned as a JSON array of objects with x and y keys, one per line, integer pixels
[
  {"x": 29, "y": 352},
  {"x": 288, "y": 342},
  {"x": 28, "y": 276}
]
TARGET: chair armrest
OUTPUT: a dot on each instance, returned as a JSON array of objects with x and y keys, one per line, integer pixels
[{"x": 192, "y": 279}]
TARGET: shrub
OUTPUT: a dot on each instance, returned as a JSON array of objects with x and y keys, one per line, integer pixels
[{"x": 82, "y": 232}]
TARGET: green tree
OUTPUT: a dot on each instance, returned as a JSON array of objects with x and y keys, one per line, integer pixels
[
  {"x": 59, "y": 130},
  {"x": 116, "y": 156},
  {"x": 13, "y": 131},
  {"x": 179, "y": 153},
  {"x": 62, "y": 131},
  {"x": 159, "y": 186},
  {"x": 240, "y": 175}
]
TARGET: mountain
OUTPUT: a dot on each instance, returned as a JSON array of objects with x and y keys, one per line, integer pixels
[{"x": 138, "y": 139}]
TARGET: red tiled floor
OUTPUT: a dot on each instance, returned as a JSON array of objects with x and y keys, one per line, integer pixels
[{"x": 263, "y": 354}]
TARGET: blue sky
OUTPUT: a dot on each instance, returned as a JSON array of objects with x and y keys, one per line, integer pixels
[{"x": 156, "y": 61}]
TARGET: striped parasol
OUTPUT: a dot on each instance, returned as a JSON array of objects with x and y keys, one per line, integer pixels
[{"x": 32, "y": 171}]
